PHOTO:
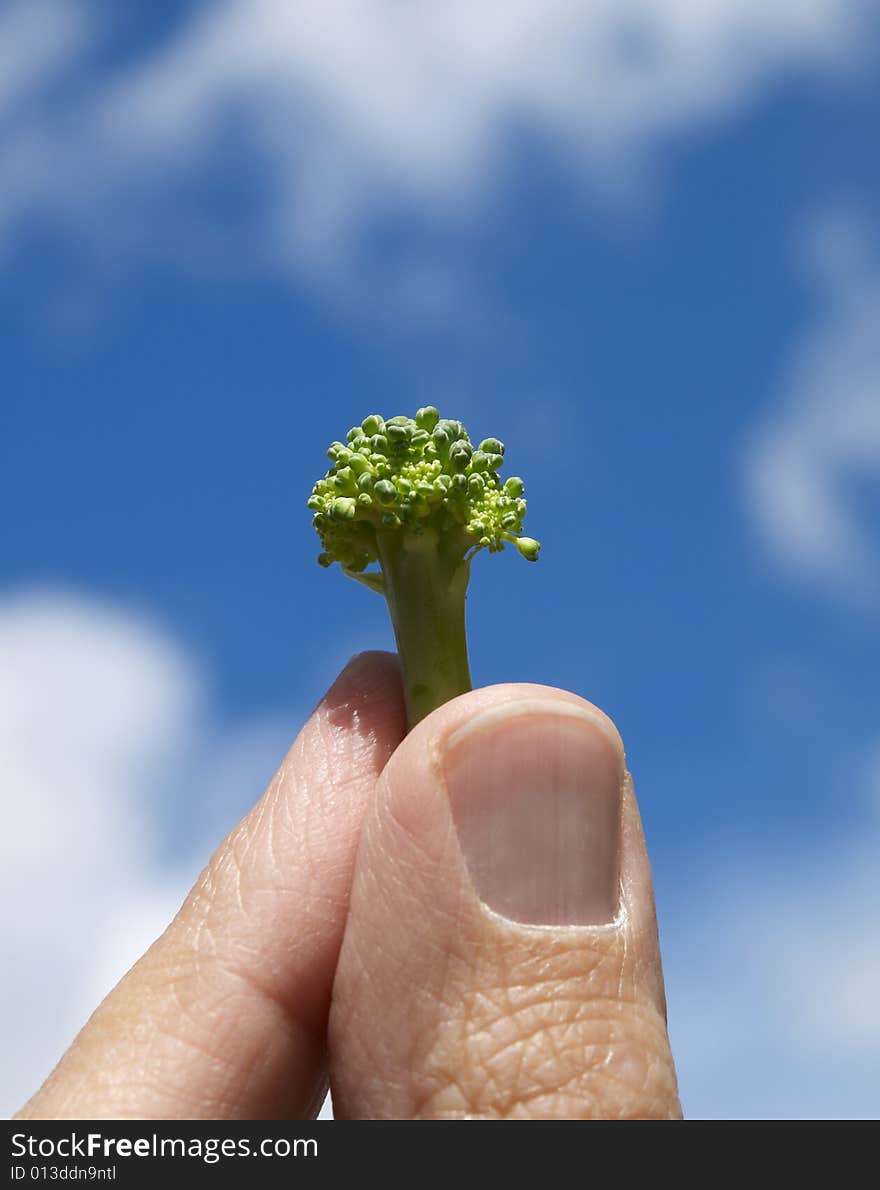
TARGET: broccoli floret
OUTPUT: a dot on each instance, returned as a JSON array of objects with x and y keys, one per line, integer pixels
[{"x": 415, "y": 498}]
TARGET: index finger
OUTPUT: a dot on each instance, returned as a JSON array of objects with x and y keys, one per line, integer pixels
[{"x": 225, "y": 1016}]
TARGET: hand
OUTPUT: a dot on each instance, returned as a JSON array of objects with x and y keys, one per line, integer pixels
[{"x": 457, "y": 924}]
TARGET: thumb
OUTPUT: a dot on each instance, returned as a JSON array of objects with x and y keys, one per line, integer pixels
[{"x": 500, "y": 958}]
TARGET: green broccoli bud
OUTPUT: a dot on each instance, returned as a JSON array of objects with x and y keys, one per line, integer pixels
[
  {"x": 460, "y": 454},
  {"x": 343, "y": 509},
  {"x": 385, "y": 491},
  {"x": 529, "y": 548},
  {"x": 397, "y": 435},
  {"x": 427, "y": 418},
  {"x": 414, "y": 499}
]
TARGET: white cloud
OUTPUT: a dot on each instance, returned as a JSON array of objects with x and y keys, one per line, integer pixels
[
  {"x": 90, "y": 700},
  {"x": 100, "y": 711},
  {"x": 806, "y": 458},
  {"x": 350, "y": 111}
]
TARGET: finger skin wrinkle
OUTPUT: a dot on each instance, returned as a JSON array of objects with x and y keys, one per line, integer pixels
[
  {"x": 227, "y": 913},
  {"x": 584, "y": 1058},
  {"x": 495, "y": 1033},
  {"x": 562, "y": 1071},
  {"x": 502, "y": 1032},
  {"x": 200, "y": 964},
  {"x": 198, "y": 1035}
]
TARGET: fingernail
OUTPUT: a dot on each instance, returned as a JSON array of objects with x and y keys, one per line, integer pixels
[{"x": 535, "y": 791}]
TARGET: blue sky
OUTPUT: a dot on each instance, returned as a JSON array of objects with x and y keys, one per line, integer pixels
[{"x": 639, "y": 243}]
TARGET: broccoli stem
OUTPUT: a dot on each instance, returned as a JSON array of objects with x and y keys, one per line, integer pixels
[{"x": 426, "y": 581}]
